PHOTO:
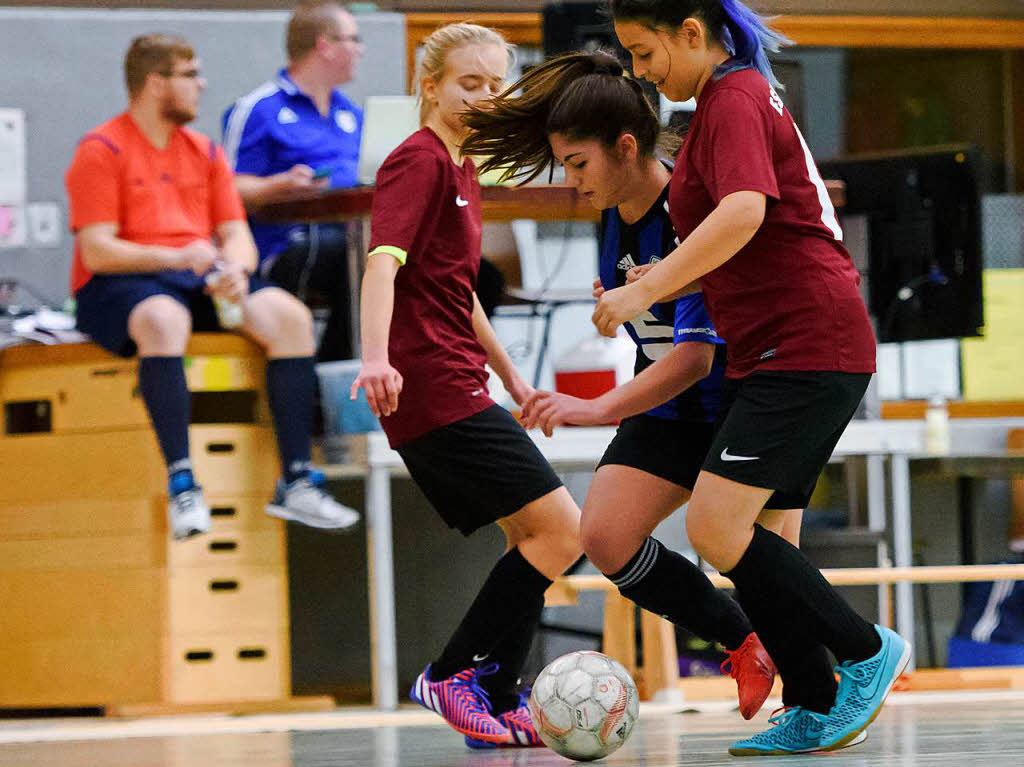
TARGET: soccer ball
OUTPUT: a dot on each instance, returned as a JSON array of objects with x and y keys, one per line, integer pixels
[{"x": 584, "y": 705}]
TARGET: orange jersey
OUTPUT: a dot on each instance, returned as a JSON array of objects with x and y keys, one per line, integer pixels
[{"x": 167, "y": 197}]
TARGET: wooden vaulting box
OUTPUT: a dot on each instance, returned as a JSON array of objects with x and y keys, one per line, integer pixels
[{"x": 101, "y": 608}]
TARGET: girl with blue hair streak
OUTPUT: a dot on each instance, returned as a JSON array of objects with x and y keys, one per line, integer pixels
[
  {"x": 760, "y": 238},
  {"x": 579, "y": 111}
]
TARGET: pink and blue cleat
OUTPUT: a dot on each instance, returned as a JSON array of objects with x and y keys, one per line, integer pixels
[
  {"x": 463, "y": 703},
  {"x": 518, "y": 722}
]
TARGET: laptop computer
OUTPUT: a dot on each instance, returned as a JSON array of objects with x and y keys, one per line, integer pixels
[{"x": 387, "y": 122}]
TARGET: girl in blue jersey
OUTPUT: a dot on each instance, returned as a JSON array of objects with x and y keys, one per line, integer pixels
[
  {"x": 760, "y": 237},
  {"x": 580, "y": 111}
]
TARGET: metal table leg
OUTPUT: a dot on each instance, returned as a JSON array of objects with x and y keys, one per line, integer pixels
[
  {"x": 382, "y": 589},
  {"x": 902, "y": 549},
  {"x": 877, "y": 523},
  {"x": 356, "y": 239}
]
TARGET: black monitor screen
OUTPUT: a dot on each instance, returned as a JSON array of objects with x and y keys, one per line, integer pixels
[
  {"x": 586, "y": 26},
  {"x": 570, "y": 27},
  {"x": 924, "y": 258}
]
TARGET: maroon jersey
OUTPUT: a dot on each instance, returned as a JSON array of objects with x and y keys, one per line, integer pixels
[
  {"x": 426, "y": 211},
  {"x": 788, "y": 300}
]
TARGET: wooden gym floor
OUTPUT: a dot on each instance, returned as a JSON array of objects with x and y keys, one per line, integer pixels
[{"x": 982, "y": 728}]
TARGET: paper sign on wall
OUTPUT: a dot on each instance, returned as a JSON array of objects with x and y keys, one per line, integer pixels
[
  {"x": 12, "y": 226},
  {"x": 12, "y": 157}
]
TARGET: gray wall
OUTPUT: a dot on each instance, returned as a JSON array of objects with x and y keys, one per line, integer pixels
[
  {"x": 63, "y": 67},
  {"x": 823, "y": 80}
]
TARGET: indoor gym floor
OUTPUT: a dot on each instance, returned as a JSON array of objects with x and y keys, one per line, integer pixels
[{"x": 984, "y": 728}]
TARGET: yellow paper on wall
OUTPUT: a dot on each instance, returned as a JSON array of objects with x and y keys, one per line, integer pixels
[
  {"x": 993, "y": 365},
  {"x": 1004, "y": 303}
]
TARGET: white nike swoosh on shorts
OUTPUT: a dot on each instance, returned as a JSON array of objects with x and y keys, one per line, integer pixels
[{"x": 726, "y": 456}]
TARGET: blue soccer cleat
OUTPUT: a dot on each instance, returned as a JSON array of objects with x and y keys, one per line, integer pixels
[
  {"x": 863, "y": 687},
  {"x": 795, "y": 730}
]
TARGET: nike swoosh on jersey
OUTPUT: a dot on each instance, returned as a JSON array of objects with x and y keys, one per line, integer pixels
[
  {"x": 460, "y": 202},
  {"x": 479, "y": 658},
  {"x": 727, "y": 456}
]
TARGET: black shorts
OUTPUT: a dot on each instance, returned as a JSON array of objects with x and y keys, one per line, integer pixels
[
  {"x": 480, "y": 469},
  {"x": 671, "y": 450},
  {"x": 777, "y": 430},
  {"x": 103, "y": 304}
]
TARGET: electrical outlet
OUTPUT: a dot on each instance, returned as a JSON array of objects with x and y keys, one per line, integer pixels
[{"x": 44, "y": 224}]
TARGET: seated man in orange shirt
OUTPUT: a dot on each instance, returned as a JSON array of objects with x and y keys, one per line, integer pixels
[{"x": 154, "y": 210}]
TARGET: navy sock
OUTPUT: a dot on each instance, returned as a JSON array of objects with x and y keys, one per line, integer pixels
[
  {"x": 508, "y": 595},
  {"x": 165, "y": 392},
  {"x": 781, "y": 579},
  {"x": 290, "y": 385},
  {"x": 666, "y": 583}
]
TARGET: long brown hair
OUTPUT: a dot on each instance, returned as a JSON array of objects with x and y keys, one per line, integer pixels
[{"x": 579, "y": 95}]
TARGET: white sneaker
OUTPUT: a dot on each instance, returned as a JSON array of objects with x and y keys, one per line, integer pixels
[
  {"x": 188, "y": 514},
  {"x": 306, "y": 501}
]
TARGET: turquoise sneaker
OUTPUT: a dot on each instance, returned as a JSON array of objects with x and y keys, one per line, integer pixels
[
  {"x": 795, "y": 730},
  {"x": 863, "y": 688}
]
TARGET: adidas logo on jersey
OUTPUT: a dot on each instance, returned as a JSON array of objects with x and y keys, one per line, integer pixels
[
  {"x": 626, "y": 263},
  {"x": 286, "y": 116},
  {"x": 346, "y": 121}
]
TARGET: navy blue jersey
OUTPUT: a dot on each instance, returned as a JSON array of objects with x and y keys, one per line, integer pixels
[
  {"x": 663, "y": 325},
  {"x": 278, "y": 126}
]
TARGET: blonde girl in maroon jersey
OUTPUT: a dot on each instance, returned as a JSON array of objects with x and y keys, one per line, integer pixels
[{"x": 425, "y": 343}]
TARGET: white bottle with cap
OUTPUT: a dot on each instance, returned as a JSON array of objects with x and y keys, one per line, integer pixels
[
  {"x": 936, "y": 427},
  {"x": 229, "y": 313}
]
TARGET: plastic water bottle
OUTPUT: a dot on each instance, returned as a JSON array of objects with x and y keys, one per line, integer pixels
[
  {"x": 936, "y": 427},
  {"x": 229, "y": 313}
]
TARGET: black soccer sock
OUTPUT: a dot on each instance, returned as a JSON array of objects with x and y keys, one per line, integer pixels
[
  {"x": 804, "y": 664},
  {"x": 290, "y": 385},
  {"x": 510, "y": 654},
  {"x": 508, "y": 595},
  {"x": 165, "y": 392},
  {"x": 776, "y": 574},
  {"x": 668, "y": 584}
]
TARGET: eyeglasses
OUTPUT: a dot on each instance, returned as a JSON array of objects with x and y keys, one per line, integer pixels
[
  {"x": 191, "y": 74},
  {"x": 347, "y": 39}
]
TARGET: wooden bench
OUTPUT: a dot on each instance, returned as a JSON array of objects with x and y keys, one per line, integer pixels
[{"x": 658, "y": 677}]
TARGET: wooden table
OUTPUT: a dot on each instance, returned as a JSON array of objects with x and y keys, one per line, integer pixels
[
  {"x": 501, "y": 204},
  {"x": 539, "y": 202}
]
